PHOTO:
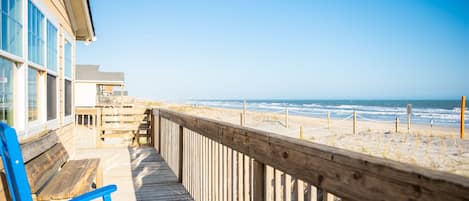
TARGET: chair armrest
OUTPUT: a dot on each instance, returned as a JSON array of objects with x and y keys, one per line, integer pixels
[{"x": 104, "y": 192}]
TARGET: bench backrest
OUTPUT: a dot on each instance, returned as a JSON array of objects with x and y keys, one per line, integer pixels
[
  {"x": 43, "y": 156},
  {"x": 13, "y": 164}
]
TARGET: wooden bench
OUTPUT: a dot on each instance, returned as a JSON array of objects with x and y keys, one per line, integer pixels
[{"x": 48, "y": 170}]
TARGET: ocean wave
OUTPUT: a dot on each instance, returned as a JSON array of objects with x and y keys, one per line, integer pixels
[{"x": 451, "y": 115}]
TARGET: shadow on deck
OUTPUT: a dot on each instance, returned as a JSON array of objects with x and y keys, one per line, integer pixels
[{"x": 152, "y": 177}]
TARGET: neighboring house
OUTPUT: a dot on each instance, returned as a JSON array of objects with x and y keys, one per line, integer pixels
[
  {"x": 94, "y": 88},
  {"x": 37, "y": 62}
]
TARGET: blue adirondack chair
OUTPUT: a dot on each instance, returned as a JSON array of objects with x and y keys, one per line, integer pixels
[{"x": 16, "y": 172}]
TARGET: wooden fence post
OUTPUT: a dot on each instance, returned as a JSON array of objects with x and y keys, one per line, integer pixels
[
  {"x": 354, "y": 122},
  {"x": 408, "y": 123},
  {"x": 258, "y": 181},
  {"x": 181, "y": 151},
  {"x": 241, "y": 119},
  {"x": 463, "y": 107},
  {"x": 286, "y": 117},
  {"x": 302, "y": 135},
  {"x": 244, "y": 113},
  {"x": 328, "y": 120},
  {"x": 397, "y": 125}
]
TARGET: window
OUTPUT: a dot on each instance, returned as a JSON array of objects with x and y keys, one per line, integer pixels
[
  {"x": 68, "y": 76},
  {"x": 68, "y": 59},
  {"x": 33, "y": 110},
  {"x": 35, "y": 34},
  {"x": 68, "y": 97},
  {"x": 6, "y": 91},
  {"x": 51, "y": 97},
  {"x": 51, "y": 47},
  {"x": 10, "y": 20}
]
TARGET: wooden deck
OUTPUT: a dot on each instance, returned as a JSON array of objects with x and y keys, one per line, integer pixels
[
  {"x": 152, "y": 177},
  {"x": 139, "y": 173}
]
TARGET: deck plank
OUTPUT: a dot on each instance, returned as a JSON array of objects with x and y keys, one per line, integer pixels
[{"x": 152, "y": 177}]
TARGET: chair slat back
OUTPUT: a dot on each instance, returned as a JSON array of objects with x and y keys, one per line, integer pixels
[{"x": 13, "y": 164}]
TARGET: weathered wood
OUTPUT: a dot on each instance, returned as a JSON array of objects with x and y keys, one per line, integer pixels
[
  {"x": 75, "y": 178},
  {"x": 34, "y": 147},
  {"x": 349, "y": 175},
  {"x": 181, "y": 151},
  {"x": 43, "y": 167},
  {"x": 123, "y": 111},
  {"x": 258, "y": 181},
  {"x": 152, "y": 128},
  {"x": 159, "y": 133},
  {"x": 159, "y": 182},
  {"x": 85, "y": 111}
]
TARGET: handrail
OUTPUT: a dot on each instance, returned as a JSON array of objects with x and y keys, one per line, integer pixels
[{"x": 347, "y": 174}]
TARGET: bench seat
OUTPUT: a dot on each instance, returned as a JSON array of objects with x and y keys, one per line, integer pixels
[{"x": 75, "y": 178}]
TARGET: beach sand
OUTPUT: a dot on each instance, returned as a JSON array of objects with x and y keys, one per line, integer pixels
[{"x": 436, "y": 148}]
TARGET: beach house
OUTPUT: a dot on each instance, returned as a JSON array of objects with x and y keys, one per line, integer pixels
[
  {"x": 37, "y": 61},
  {"x": 95, "y": 88}
]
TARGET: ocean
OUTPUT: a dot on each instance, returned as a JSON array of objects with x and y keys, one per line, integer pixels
[{"x": 438, "y": 112}]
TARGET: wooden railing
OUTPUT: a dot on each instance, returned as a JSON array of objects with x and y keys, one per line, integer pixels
[{"x": 220, "y": 161}]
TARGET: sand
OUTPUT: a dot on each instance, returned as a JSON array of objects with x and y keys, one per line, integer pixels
[{"x": 437, "y": 148}]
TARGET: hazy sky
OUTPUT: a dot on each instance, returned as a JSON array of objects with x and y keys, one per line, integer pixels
[{"x": 252, "y": 49}]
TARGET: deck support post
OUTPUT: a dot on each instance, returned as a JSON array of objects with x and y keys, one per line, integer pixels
[
  {"x": 181, "y": 151},
  {"x": 258, "y": 181}
]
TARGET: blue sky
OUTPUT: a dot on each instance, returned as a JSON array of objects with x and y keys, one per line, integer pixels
[{"x": 255, "y": 49}]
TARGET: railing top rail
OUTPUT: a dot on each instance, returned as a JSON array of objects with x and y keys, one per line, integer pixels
[{"x": 347, "y": 174}]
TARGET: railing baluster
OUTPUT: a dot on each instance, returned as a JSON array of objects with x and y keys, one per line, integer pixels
[
  {"x": 287, "y": 188},
  {"x": 269, "y": 183},
  {"x": 258, "y": 181},
  {"x": 246, "y": 178}
]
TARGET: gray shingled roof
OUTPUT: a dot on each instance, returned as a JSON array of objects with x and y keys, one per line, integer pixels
[{"x": 91, "y": 72}]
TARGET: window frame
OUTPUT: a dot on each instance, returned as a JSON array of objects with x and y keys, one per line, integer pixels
[
  {"x": 68, "y": 119},
  {"x": 14, "y": 66},
  {"x": 43, "y": 70},
  {"x": 52, "y": 123}
]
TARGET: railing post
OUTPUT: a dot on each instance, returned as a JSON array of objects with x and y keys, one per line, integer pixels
[
  {"x": 159, "y": 131},
  {"x": 152, "y": 127},
  {"x": 258, "y": 181},
  {"x": 181, "y": 151}
]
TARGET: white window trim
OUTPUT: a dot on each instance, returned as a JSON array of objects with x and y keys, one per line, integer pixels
[
  {"x": 69, "y": 119},
  {"x": 12, "y": 57},
  {"x": 53, "y": 124},
  {"x": 43, "y": 8},
  {"x": 71, "y": 59},
  {"x": 56, "y": 72},
  {"x": 67, "y": 38}
]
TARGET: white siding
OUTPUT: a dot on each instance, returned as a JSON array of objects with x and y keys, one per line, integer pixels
[{"x": 85, "y": 94}]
